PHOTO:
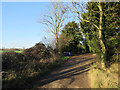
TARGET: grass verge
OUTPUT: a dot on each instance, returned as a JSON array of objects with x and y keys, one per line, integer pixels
[{"x": 104, "y": 79}]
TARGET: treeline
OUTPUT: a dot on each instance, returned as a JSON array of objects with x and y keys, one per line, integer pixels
[
  {"x": 98, "y": 31},
  {"x": 71, "y": 39}
]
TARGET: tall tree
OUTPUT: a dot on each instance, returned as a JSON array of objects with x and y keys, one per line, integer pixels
[
  {"x": 87, "y": 19},
  {"x": 93, "y": 16},
  {"x": 92, "y": 33},
  {"x": 71, "y": 36},
  {"x": 111, "y": 27},
  {"x": 54, "y": 19}
]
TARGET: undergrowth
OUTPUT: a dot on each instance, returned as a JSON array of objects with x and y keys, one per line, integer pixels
[
  {"x": 21, "y": 69},
  {"x": 104, "y": 78}
]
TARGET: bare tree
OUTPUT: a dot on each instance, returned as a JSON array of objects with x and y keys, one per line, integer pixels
[{"x": 54, "y": 19}]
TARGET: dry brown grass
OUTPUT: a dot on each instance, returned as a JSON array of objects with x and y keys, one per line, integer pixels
[{"x": 104, "y": 79}]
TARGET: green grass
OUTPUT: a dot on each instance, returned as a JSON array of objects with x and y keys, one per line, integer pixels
[
  {"x": 66, "y": 57},
  {"x": 4, "y": 51},
  {"x": 18, "y": 51},
  {"x": 1, "y": 51}
]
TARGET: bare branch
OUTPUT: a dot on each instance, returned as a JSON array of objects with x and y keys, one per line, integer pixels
[{"x": 54, "y": 18}]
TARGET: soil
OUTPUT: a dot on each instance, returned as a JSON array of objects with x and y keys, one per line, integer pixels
[{"x": 72, "y": 74}]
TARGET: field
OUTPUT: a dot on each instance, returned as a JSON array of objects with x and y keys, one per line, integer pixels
[{"x": 1, "y": 51}]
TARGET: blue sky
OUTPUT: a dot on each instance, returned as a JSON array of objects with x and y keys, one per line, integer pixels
[{"x": 19, "y": 24}]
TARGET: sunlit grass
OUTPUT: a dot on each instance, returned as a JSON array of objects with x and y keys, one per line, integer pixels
[
  {"x": 104, "y": 79},
  {"x": 66, "y": 57},
  {"x": 1, "y": 51},
  {"x": 18, "y": 51}
]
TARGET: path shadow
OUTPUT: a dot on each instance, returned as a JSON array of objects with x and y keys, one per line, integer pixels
[
  {"x": 66, "y": 74},
  {"x": 77, "y": 62}
]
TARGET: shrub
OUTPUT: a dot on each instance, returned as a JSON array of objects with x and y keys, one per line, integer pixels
[
  {"x": 37, "y": 52},
  {"x": 28, "y": 64},
  {"x": 12, "y": 61}
]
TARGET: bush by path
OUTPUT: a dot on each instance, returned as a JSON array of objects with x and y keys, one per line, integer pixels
[{"x": 28, "y": 66}]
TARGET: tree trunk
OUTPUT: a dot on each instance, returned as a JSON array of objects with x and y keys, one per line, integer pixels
[
  {"x": 100, "y": 29},
  {"x": 56, "y": 42},
  {"x": 103, "y": 49},
  {"x": 57, "y": 39}
]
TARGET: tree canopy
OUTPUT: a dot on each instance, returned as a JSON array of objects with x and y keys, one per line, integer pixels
[
  {"x": 110, "y": 30},
  {"x": 71, "y": 36}
]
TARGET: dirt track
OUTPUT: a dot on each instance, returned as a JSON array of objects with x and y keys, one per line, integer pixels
[{"x": 72, "y": 74}]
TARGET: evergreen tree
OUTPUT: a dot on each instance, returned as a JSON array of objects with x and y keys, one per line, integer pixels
[
  {"x": 73, "y": 36},
  {"x": 110, "y": 29}
]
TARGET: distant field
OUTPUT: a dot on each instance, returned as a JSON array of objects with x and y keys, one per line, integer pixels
[
  {"x": 18, "y": 51},
  {"x": 9, "y": 51}
]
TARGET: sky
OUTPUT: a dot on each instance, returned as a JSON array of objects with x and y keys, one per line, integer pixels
[{"x": 20, "y": 28}]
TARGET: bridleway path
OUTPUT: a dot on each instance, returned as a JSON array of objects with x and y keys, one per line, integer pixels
[{"x": 72, "y": 74}]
